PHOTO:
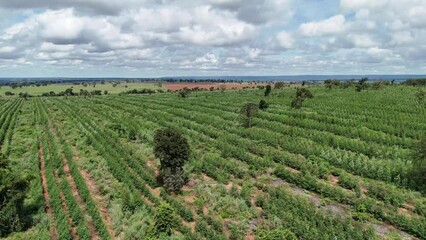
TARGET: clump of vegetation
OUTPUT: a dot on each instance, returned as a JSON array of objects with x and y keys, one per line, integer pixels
[
  {"x": 301, "y": 95},
  {"x": 248, "y": 111},
  {"x": 164, "y": 221},
  {"x": 173, "y": 151},
  {"x": 267, "y": 90},
  {"x": 13, "y": 190},
  {"x": 263, "y": 105},
  {"x": 418, "y": 171},
  {"x": 279, "y": 85},
  {"x": 361, "y": 85},
  {"x": 184, "y": 93},
  {"x": 416, "y": 82},
  {"x": 421, "y": 96},
  {"x": 330, "y": 83},
  {"x": 281, "y": 234}
]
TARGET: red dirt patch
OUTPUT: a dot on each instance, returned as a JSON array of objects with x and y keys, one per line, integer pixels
[
  {"x": 207, "y": 178},
  {"x": 405, "y": 212},
  {"x": 384, "y": 229},
  {"x": 190, "y": 198},
  {"x": 333, "y": 179},
  {"x": 292, "y": 169},
  {"x": 208, "y": 85}
]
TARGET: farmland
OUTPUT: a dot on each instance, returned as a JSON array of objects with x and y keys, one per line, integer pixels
[{"x": 338, "y": 168}]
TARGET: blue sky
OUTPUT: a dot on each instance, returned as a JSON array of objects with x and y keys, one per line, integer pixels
[{"x": 151, "y": 38}]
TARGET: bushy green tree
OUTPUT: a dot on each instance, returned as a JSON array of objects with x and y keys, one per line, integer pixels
[
  {"x": 13, "y": 190},
  {"x": 263, "y": 105},
  {"x": 268, "y": 90},
  {"x": 279, "y": 85},
  {"x": 173, "y": 150},
  {"x": 247, "y": 112},
  {"x": 301, "y": 95},
  {"x": 361, "y": 85}
]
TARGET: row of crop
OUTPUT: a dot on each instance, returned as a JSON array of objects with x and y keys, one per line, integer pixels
[
  {"x": 261, "y": 137},
  {"x": 184, "y": 212},
  {"x": 6, "y": 132},
  {"x": 340, "y": 199},
  {"x": 83, "y": 190},
  {"x": 391, "y": 171},
  {"x": 201, "y": 225},
  {"x": 323, "y": 133},
  {"x": 368, "y": 128},
  {"x": 8, "y": 120},
  {"x": 120, "y": 173},
  {"x": 55, "y": 164},
  {"x": 55, "y": 201}
]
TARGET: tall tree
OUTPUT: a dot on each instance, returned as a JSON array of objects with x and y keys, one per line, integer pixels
[
  {"x": 248, "y": 111},
  {"x": 267, "y": 90},
  {"x": 173, "y": 150},
  {"x": 301, "y": 95}
]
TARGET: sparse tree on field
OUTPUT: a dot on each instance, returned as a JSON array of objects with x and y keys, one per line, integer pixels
[
  {"x": 361, "y": 85},
  {"x": 173, "y": 151},
  {"x": 267, "y": 90},
  {"x": 418, "y": 172},
  {"x": 222, "y": 88},
  {"x": 279, "y": 85},
  {"x": 301, "y": 95},
  {"x": 184, "y": 93},
  {"x": 248, "y": 111},
  {"x": 263, "y": 105}
]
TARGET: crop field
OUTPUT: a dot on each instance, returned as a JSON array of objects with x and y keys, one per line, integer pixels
[{"x": 338, "y": 168}]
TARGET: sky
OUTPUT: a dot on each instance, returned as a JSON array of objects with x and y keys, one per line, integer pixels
[{"x": 153, "y": 38}]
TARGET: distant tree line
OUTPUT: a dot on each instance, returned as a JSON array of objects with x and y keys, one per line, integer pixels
[{"x": 416, "y": 82}]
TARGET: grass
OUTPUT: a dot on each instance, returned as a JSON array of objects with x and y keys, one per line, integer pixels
[{"x": 37, "y": 91}]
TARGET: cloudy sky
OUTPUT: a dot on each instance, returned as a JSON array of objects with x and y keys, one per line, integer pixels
[{"x": 149, "y": 38}]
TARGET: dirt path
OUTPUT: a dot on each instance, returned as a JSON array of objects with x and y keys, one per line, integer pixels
[
  {"x": 76, "y": 194},
  {"x": 47, "y": 208}
]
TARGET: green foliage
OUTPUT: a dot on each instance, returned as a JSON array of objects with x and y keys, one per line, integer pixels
[
  {"x": 248, "y": 111},
  {"x": 301, "y": 95},
  {"x": 184, "y": 93},
  {"x": 164, "y": 220},
  {"x": 421, "y": 96},
  {"x": 173, "y": 179},
  {"x": 268, "y": 89},
  {"x": 171, "y": 148},
  {"x": 13, "y": 190},
  {"x": 418, "y": 171},
  {"x": 279, "y": 85},
  {"x": 361, "y": 85},
  {"x": 416, "y": 82},
  {"x": 276, "y": 234},
  {"x": 263, "y": 105}
]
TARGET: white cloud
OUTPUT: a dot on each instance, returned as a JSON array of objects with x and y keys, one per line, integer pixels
[
  {"x": 333, "y": 25},
  {"x": 285, "y": 40}
]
